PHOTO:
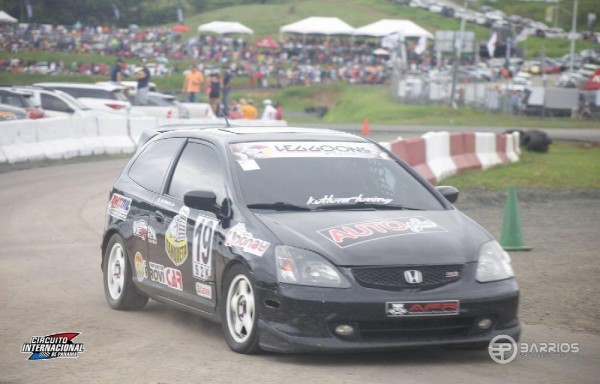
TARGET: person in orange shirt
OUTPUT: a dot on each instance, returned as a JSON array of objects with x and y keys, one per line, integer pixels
[
  {"x": 192, "y": 84},
  {"x": 249, "y": 111}
]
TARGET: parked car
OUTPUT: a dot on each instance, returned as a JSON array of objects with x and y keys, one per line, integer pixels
[
  {"x": 159, "y": 105},
  {"x": 21, "y": 99},
  {"x": 9, "y": 112},
  {"x": 58, "y": 103},
  {"x": 103, "y": 97},
  {"x": 235, "y": 225}
]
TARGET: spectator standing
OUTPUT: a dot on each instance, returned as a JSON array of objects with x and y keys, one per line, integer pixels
[
  {"x": 193, "y": 83},
  {"x": 249, "y": 111},
  {"x": 278, "y": 111},
  {"x": 143, "y": 81},
  {"x": 269, "y": 112},
  {"x": 227, "y": 76},
  {"x": 214, "y": 96},
  {"x": 116, "y": 73}
]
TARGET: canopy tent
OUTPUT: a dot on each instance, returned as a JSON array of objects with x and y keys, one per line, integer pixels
[
  {"x": 267, "y": 42},
  {"x": 318, "y": 26},
  {"x": 386, "y": 27},
  {"x": 225, "y": 27},
  {"x": 5, "y": 18}
]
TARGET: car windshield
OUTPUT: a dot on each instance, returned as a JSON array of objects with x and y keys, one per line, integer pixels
[{"x": 325, "y": 175}]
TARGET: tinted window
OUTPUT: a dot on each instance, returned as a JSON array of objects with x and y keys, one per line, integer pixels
[
  {"x": 52, "y": 103},
  {"x": 96, "y": 94},
  {"x": 151, "y": 166},
  {"x": 13, "y": 99},
  {"x": 197, "y": 169},
  {"x": 313, "y": 174}
]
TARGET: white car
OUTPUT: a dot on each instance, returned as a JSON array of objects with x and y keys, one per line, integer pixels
[
  {"x": 199, "y": 110},
  {"x": 159, "y": 105},
  {"x": 131, "y": 86},
  {"x": 58, "y": 103},
  {"x": 103, "y": 97}
]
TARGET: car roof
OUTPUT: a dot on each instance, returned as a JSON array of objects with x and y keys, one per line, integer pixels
[
  {"x": 235, "y": 134},
  {"x": 105, "y": 87}
]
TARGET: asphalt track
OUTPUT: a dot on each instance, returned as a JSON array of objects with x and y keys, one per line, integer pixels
[{"x": 50, "y": 281}]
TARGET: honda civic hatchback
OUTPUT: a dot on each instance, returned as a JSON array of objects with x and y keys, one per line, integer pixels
[{"x": 300, "y": 240}]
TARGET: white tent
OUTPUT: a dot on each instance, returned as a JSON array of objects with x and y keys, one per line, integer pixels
[
  {"x": 386, "y": 27},
  {"x": 224, "y": 27},
  {"x": 318, "y": 26},
  {"x": 5, "y": 18}
]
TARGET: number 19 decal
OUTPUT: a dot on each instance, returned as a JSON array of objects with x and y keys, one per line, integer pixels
[{"x": 204, "y": 231}]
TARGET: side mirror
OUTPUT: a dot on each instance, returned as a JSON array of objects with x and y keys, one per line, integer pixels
[
  {"x": 70, "y": 110},
  {"x": 450, "y": 193},
  {"x": 202, "y": 200}
]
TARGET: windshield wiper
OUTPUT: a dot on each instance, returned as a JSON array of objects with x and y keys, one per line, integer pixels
[
  {"x": 333, "y": 207},
  {"x": 279, "y": 206}
]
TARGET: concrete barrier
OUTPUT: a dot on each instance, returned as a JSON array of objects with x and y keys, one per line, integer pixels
[
  {"x": 485, "y": 148},
  {"x": 437, "y": 154},
  {"x": 113, "y": 135},
  {"x": 412, "y": 151},
  {"x": 18, "y": 141},
  {"x": 462, "y": 150},
  {"x": 138, "y": 124}
]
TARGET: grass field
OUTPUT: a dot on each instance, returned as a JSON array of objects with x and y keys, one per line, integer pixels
[
  {"x": 565, "y": 166},
  {"x": 352, "y": 104}
]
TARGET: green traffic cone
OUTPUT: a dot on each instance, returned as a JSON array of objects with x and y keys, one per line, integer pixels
[{"x": 512, "y": 235}]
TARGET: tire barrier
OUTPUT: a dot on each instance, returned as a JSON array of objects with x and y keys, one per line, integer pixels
[
  {"x": 67, "y": 137},
  {"x": 536, "y": 141},
  {"x": 437, "y": 155}
]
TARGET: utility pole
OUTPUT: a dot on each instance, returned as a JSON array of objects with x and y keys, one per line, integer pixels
[
  {"x": 572, "y": 37},
  {"x": 458, "y": 50}
]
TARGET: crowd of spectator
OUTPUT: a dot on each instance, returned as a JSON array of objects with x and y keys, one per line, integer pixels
[{"x": 295, "y": 61}]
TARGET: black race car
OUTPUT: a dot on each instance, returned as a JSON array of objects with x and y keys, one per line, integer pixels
[{"x": 302, "y": 239}]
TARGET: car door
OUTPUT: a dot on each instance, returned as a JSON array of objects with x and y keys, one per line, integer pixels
[
  {"x": 191, "y": 240},
  {"x": 147, "y": 174}
]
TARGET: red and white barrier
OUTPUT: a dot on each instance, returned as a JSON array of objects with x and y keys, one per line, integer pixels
[{"x": 437, "y": 155}]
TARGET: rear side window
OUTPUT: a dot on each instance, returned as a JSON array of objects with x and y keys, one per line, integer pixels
[
  {"x": 198, "y": 168},
  {"x": 150, "y": 168},
  {"x": 52, "y": 103}
]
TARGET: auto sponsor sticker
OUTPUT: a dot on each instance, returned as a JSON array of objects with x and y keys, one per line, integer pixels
[
  {"x": 238, "y": 236},
  {"x": 204, "y": 290},
  {"x": 331, "y": 199},
  {"x": 140, "y": 267},
  {"x": 168, "y": 276},
  {"x": 140, "y": 229},
  {"x": 151, "y": 235},
  {"x": 347, "y": 235},
  {"x": 276, "y": 149},
  {"x": 118, "y": 206},
  {"x": 176, "y": 242},
  {"x": 204, "y": 232},
  {"x": 422, "y": 308},
  {"x": 248, "y": 165}
]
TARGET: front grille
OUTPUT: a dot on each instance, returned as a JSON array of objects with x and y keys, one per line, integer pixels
[
  {"x": 392, "y": 278},
  {"x": 413, "y": 329}
]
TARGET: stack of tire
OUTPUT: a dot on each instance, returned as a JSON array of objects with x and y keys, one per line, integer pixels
[{"x": 534, "y": 140}]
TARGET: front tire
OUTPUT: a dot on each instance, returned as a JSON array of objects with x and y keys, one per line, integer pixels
[
  {"x": 119, "y": 288},
  {"x": 239, "y": 312}
]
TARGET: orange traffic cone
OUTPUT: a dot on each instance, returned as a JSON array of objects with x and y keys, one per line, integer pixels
[{"x": 365, "y": 129}]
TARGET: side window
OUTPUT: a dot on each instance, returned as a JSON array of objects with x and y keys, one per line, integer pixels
[
  {"x": 52, "y": 103},
  {"x": 150, "y": 168},
  {"x": 198, "y": 169}
]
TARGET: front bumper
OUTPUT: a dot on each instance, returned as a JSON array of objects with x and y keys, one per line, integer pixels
[{"x": 303, "y": 319}]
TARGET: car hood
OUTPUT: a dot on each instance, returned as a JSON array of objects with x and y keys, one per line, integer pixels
[{"x": 363, "y": 238}]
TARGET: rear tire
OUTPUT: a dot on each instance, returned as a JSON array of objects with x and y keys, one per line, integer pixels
[
  {"x": 119, "y": 288},
  {"x": 239, "y": 312}
]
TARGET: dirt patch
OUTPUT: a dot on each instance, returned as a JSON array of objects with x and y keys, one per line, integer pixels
[{"x": 559, "y": 277}]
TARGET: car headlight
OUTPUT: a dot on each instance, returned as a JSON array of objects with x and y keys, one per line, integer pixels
[
  {"x": 302, "y": 267},
  {"x": 493, "y": 264}
]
